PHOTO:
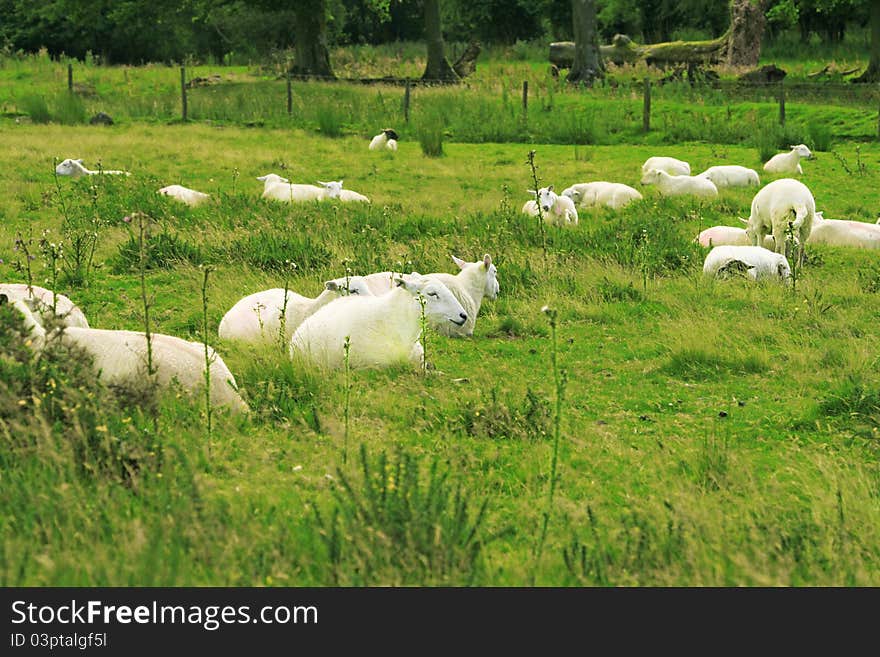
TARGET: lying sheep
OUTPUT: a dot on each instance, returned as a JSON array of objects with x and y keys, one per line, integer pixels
[
  {"x": 668, "y": 164},
  {"x": 474, "y": 282},
  {"x": 385, "y": 140},
  {"x": 556, "y": 209},
  {"x": 754, "y": 261},
  {"x": 120, "y": 357},
  {"x": 680, "y": 185},
  {"x": 382, "y": 329},
  {"x": 257, "y": 317},
  {"x": 184, "y": 194},
  {"x": 788, "y": 162},
  {"x": 66, "y": 311},
  {"x": 729, "y": 235},
  {"x": 609, "y": 194},
  {"x": 333, "y": 190},
  {"x": 839, "y": 232},
  {"x": 731, "y": 175},
  {"x": 76, "y": 169},
  {"x": 280, "y": 189},
  {"x": 782, "y": 202}
]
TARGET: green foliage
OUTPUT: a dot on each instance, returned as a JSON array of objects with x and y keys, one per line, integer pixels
[
  {"x": 430, "y": 131},
  {"x": 36, "y": 108},
  {"x": 163, "y": 251},
  {"x": 505, "y": 418},
  {"x": 272, "y": 251}
]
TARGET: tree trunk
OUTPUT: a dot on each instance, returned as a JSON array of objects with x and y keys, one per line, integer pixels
[
  {"x": 438, "y": 67},
  {"x": 624, "y": 51},
  {"x": 587, "y": 64},
  {"x": 746, "y": 30},
  {"x": 310, "y": 31},
  {"x": 872, "y": 74}
]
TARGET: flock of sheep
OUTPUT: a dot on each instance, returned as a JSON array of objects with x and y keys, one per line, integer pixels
[
  {"x": 376, "y": 320},
  {"x": 782, "y": 212}
]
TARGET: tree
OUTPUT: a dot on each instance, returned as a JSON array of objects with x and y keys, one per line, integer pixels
[
  {"x": 438, "y": 67},
  {"x": 747, "y": 23},
  {"x": 310, "y": 32},
  {"x": 872, "y": 73},
  {"x": 587, "y": 65}
]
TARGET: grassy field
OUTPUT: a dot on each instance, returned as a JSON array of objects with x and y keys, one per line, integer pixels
[{"x": 712, "y": 433}]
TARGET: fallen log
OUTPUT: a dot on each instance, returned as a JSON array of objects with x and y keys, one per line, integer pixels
[{"x": 624, "y": 50}]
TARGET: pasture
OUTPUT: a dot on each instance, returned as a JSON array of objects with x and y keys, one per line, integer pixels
[{"x": 711, "y": 432}]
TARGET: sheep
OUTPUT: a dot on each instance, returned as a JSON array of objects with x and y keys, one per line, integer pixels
[
  {"x": 65, "y": 309},
  {"x": 612, "y": 195},
  {"x": 782, "y": 202},
  {"x": 731, "y": 175},
  {"x": 257, "y": 317},
  {"x": 668, "y": 164},
  {"x": 680, "y": 185},
  {"x": 788, "y": 162},
  {"x": 76, "y": 169},
  {"x": 729, "y": 235},
  {"x": 385, "y": 140},
  {"x": 558, "y": 210},
  {"x": 382, "y": 329},
  {"x": 838, "y": 232},
  {"x": 119, "y": 357},
  {"x": 280, "y": 189},
  {"x": 474, "y": 282},
  {"x": 333, "y": 190},
  {"x": 755, "y": 261},
  {"x": 185, "y": 195}
]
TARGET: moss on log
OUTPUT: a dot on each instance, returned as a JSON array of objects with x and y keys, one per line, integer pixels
[{"x": 624, "y": 50}]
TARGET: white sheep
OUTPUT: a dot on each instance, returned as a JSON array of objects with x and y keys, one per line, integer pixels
[
  {"x": 788, "y": 162},
  {"x": 680, "y": 185},
  {"x": 731, "y": 175},
  {"x": 385, "y": 140},
  {"x": 474, "y": 282},
  {"x": 557, "y": 209},
  {"x": 120, "y": 357},
  {"x": 68, "y": 312},
  {"x": 609, "y": 194},
  {"x": 257, "y": 317},
  {"x": 755, "y": 261},
  {"x": 76, "y": 169},
  {"x": 729, "y": 235},
  {"x": 780, "y": 203},
  {"x": 668, "y": 164},
  {"x": 840, "y": 232},
  {"x": 280, "y": 189},
  {"x": 333, "y": 190},
  {"x": 184, "y": 194},
  {"x": 383, "y": 330}
]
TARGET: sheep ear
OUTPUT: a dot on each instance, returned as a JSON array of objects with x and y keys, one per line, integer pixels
[
  {"x": 323, "y": 184},
  {"x": 263, "y": 178},
  {"x": 487, "y": 260},
  {"x": 532, "y": 192},
  {"x": 461, "y": 263},
  {"x": 550, "y": 188},
  {"x": 80, "y": 161},
  {"x": 333, "y": 286},
  {"x": 745, "y": 221}
]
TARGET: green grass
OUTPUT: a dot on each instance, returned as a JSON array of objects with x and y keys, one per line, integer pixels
[{"x": 713, "y": 433}]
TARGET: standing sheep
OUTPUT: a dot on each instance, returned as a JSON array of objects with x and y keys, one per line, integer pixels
[
  {"x": 382, "y": 329},
  {"x": 782, "y": 202},
  {"x": 609, "y": 194},
  {"x": 790, "y": 162}
]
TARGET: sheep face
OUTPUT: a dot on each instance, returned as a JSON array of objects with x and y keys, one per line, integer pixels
[
  {"x": 784, "y": 270},
  {"x": 70, "y": 167},
  {"x": 351, "y": 285},
  {"x": 492, "y": 288},
  {"x": 440, "y": 305},
  {"x": 574, "y": 194},
  {"x": 651, "y": 177},
  {"x": 546, "y": 198},
  {"x": 334, "y": 188},
  {"x": 390, "y": 134},
  {"x": 802, "y": 151}
]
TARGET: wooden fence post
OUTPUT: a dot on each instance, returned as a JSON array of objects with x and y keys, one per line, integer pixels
[
  {"x": 406, "y": 102},
  {"x": 525, "y": 98},
  {"x": 646, "y": 113},
  {"x": 781, "y": 103},
  {"x": 183, "y": 92},
  {"x": 289, "y": 93},
  {"x": 70, "y": 78}
]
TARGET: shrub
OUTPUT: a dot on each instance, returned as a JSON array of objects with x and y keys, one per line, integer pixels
[{"x": 163, "y": 251}]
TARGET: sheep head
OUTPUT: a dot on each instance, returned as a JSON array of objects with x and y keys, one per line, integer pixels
[{"x": 440, "y": 304}]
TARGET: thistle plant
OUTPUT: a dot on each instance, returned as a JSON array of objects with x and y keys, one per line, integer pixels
[
  {"x": 560, "y": 379},
  {"x": 346, "y": 348},
  {"x": 235, "y": 175},
  {"x": 53, "y": 253},
  {"x": 22, "y": 265},
  {"x": 423, "y": 334},
  {"x": 643, "y": 255},
  {"x": 534, "y": 170},
  {"x": 790, "y": 243},
  {"x": 289, "y": 268},
  {"x": 143, "y": 228},
  {"x": 209, "y": 358}
]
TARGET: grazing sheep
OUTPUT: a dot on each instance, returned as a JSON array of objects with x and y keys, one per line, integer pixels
[
  {"x": 185, "y": 195},
  {"x": 788, "y": 162},
  {"x": 782, "y": 202},
  {"x": 731, "y": 175},
  {"x": 609, "y": 194},
  {"x": 558, "y": 210},
  {"x": 839, "y": 232},
  {"x": 474, "y": 282},
  {"x": 385, "y": 140},
  {"x": 120, "y": 357},
  {"x": 65, "y": 309},
  {"x": 729, "y": 235},
  {"x": 257, "y": 317},
  {"x": 76, "y": 169},
  {"x": 382, "y": 329},
  {"x": 333, "y": 190},
  {"x": 754, "y": 261},
  {"x": 680, "y": 185},
  {"x": 668, "y": 164},
  {"x": 279, "y": 189}
]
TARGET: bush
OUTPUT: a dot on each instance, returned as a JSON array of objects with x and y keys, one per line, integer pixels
[
  {"x": 36, "y": 107},
  {"x": 430, "y": 134},
  {"x": 163, "y": 251}
]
